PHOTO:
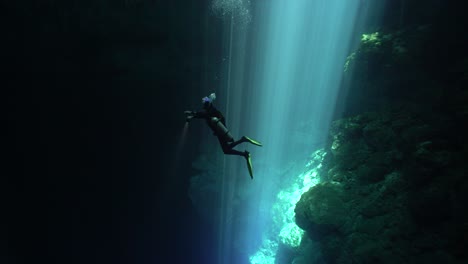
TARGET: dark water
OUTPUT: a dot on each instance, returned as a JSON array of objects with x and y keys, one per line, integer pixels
[{"x": 93, "y": 97}]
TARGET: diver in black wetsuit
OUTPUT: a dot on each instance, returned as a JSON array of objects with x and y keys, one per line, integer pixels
[{"x": 215, "y": 120}]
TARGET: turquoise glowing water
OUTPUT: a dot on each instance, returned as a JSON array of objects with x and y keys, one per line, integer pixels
[{"x": 282, "y": 74}]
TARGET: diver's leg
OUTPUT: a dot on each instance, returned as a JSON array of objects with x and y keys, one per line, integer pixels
[
  {"x": 235, "y": 143},
  {"x": 229, "y": 151},
  {"x": 228, "y": 148}
]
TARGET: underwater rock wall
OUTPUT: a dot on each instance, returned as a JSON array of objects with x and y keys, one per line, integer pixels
[
  {"x": 395, "y": 191},
  {"x": 394, "y": 184}
]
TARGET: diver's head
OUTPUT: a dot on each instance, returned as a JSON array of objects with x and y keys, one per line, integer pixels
[{"x": 208, "y": 101}]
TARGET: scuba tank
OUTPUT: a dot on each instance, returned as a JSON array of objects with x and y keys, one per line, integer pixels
[{"x": 220, "y": 130}]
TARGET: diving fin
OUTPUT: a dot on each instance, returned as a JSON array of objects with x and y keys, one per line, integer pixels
[
  {"x": 249, "y": 163},
  {"x": 251, "y": 141}
]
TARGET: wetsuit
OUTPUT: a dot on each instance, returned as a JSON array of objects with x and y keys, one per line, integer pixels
[{"x": 213, "y": 117}]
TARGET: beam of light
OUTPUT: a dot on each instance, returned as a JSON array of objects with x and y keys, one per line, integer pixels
[
  {"x": 174, "y": 167},
  {"x": 182, "y": 139},
  {"x": 297, "y": 65},
  {"x": 283, "y": 72},
  {"x": 294, "y": 69}
]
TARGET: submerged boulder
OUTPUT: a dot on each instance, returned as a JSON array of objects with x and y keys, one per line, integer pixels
[{"x": 321, "y": 209}]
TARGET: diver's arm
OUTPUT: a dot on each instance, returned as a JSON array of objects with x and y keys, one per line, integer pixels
[
  {"x": 200, "y": 114},
  {"x": 194, "y": 114}
]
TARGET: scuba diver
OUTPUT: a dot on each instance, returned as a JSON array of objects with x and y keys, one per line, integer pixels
[{"x": 215, "y": 120}]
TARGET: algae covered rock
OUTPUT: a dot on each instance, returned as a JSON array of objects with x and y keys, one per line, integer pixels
[
  {"x": 390, "y": 180},
  {"x": 377, "y": 49},
  {"x": 322, "y": 209},
  {"x": 396, "y": 166}
]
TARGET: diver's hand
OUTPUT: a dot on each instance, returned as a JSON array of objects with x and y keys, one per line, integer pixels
[{"x": 190, "y": 115}]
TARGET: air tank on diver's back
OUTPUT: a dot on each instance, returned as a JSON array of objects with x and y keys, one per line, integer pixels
[{"x": 220, "y": 129}]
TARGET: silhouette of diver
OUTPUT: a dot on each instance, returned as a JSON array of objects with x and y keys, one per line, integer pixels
[{"x": 215, "y": 120}]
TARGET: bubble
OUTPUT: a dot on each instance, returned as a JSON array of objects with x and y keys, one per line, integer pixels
[{"x": 237, "y": 10}]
